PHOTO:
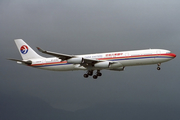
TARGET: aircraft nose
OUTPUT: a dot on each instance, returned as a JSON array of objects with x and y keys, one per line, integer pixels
[{"x": 173, "y": 55}]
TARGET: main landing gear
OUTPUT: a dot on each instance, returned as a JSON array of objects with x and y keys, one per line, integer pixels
[
  {"x": 158, "y": 68},
  {"x": 90, "y": 73}
]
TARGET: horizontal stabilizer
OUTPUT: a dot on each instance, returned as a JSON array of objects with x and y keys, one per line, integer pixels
[{"x": 29, "y": 62}]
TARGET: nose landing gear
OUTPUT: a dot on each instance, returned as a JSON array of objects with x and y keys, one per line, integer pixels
[{"x": 158, "y": 68}]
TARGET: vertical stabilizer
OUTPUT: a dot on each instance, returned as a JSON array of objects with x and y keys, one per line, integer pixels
[{"x": 25, "y": 50}]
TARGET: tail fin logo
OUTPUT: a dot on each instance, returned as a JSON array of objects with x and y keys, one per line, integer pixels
[{"x": 24, "y": 49}]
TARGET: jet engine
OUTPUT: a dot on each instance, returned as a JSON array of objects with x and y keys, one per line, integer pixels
[
  {"x": 107, "y": 64},
  {"x": 75, "y": 60},
  {"x": 115, "y": 65},
  {"x": 102, "y": 64},
  {"x": 118, "y": 69}
]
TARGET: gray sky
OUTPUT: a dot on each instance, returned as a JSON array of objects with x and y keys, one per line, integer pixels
[{"x": 90, "y": 26}]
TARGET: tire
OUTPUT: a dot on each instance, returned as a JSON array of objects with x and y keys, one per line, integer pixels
[
  {"x": 95, "y": 76},
  {"x": 90, "y": 73},
  {"x": 85, "y": 75},
  {"x": 158, "y": 68},
  {"x": 99, "y": 74}
]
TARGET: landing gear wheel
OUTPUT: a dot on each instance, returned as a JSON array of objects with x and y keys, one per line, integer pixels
[
  {"x": 95, "y": 76},
  {"x": 99, "y": 74},
  {"x": 158, "y": 68},
  {"x": 85, "y": 75},
  {"x": 90, "y": 73}
]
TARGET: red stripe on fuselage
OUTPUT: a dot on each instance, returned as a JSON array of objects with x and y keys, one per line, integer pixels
[
  {"x": 169, "y": 54},
  {"x": 51, "y": 63},
  {"x": 123, "y": 57},
  {"x": 139, "y": 56}
]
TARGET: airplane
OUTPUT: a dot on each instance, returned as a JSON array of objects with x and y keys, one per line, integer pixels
[{"x": 116, "y": 61}]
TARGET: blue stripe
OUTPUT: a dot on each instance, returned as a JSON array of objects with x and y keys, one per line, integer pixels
[
  {"x": 51, "y": 65},
  {"x": 112, "y": 60},
  {"x": 140, "y": 58}
]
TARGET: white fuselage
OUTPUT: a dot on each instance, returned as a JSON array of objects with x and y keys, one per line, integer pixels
[{"x": 123, "y": 59}]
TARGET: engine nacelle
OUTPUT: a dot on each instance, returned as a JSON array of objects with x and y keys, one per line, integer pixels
[
  {"x": 115, "y": 65},
  {"x": 118, "y": 69},
  {"x": 102, "y": 65},
  {"x": 75, "y": 60}
]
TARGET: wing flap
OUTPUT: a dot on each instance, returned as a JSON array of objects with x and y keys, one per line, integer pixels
[{"x": 91, "y": 60}]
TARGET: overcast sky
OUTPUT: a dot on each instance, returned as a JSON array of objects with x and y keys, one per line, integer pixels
[{"x": 91, "y": 26}]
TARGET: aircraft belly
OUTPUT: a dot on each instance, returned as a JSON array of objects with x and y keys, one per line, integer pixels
[
  {"x": 148, "y": 61},
  {"x": 161, "y": 60},
  {"x": 134, "y": 62},
  {"x": 69, "y": 67}
]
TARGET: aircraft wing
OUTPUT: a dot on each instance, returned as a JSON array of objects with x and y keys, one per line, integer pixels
[
  {"x": 89, "y": 62},
  {"x": 86, "y": 61},
  {"x": 65, "y": 56},
  {"x": 59, "y": 55}
]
